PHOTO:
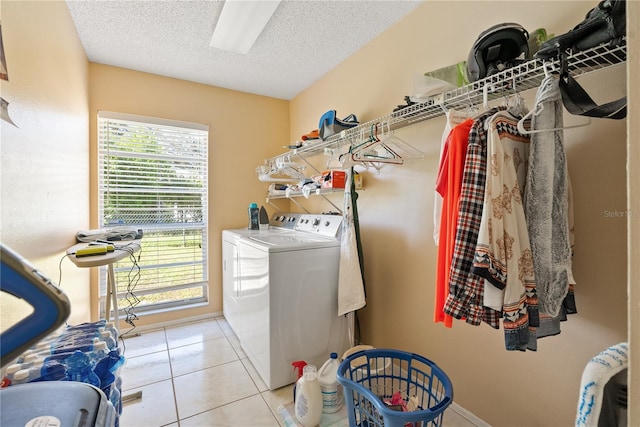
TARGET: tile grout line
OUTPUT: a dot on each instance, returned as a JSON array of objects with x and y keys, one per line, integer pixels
[
  {"x": 260, "y": 393},
  {"x": 173, "y": 384}
]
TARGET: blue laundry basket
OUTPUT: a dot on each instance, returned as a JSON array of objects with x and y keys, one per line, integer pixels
[{"x": 371, "y": 378}]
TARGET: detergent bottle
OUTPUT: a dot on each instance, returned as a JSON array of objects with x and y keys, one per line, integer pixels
[
  {"x": 308, "y": 406},
  {"x": 254, "y": 220},
  {"x": 332, "y": 399},
  {"x": 298, "y": 365}
]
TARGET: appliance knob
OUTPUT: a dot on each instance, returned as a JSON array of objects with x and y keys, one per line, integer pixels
[
  {"x": 316, "y": 221},
  {"x": 328, "y": 223}
]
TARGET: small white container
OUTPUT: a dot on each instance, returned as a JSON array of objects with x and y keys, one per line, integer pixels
[{"x": 308, "y": 407}]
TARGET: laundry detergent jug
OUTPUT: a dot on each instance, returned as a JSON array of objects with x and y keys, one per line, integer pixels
[
  {"x": 308, "y": 406},
  {"x": 332, "y": 398}
]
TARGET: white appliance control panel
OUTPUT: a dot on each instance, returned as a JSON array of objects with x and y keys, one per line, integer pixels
[
  {"x": 285, "y": 220},
  {"x": 325, "y": 225}
]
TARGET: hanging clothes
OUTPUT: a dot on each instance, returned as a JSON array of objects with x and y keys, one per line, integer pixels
[
  {"x": 437, "y": 199},
  {"x": 454, "y": 118},
  {"x": 351, "y": 294},
  {"x": 547, "y": 200},
  {"x": 448, "y": 185},
  {"x": 503, "y": 252},
  {"x": 466, "y": 290}
]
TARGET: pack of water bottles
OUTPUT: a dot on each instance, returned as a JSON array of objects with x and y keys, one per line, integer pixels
[{"x": 87, "y": 352}]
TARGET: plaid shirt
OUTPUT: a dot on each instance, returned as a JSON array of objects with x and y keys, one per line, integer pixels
[{"x": 466, "y": 290}]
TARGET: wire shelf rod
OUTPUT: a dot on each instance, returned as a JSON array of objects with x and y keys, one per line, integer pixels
[{"x": 519, "y": 78}]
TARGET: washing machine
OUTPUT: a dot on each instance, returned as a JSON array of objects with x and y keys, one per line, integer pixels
[{"x": 280, "y": 293}]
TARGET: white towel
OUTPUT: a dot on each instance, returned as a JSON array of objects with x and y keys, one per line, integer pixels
[
  {"x": 595, "y": 377},
  {"x": 350, "y": 284}
]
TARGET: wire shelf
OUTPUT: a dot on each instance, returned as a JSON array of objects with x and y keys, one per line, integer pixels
[{"x": 527, "y": 75}]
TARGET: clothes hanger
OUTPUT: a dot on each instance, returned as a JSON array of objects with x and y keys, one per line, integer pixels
[
  {"x": 367, "y": 142},
  {"x": 455, "y": 117},
  {"x": 516, "y": 104},
  {"x": 538, "y": 108},
  {"x": 389, "y": 147},
  {"x": 369, "y": 151},
  {"x": 485, "y": 96},
  {"x": 536, "y": 111}
]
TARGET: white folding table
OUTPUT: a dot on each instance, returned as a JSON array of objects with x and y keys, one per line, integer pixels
[{"x": 123, "y": 249}]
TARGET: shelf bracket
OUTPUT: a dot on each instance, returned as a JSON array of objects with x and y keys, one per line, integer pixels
[
  {"x": 298, "y": 205},
  {"x": 308, "y": 163},
  {"x": 331, "y": 203},
  {"x": 272, "y": 205}
]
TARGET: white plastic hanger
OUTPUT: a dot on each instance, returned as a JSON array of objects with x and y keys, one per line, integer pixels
[
  {"x": 455, "y": 117},
  {"x": 386, "y": 148},
  {"x": 538, "y": 108},
  {"x": 536, "y": 111}
]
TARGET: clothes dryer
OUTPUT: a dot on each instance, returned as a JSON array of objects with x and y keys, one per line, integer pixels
[{"x": 280, "y": 293}]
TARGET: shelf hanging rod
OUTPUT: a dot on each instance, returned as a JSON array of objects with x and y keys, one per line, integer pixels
[{"x": 527, "y": 75}]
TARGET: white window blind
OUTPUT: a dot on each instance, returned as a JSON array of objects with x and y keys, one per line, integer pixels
[{"x": 152, "y": 175}]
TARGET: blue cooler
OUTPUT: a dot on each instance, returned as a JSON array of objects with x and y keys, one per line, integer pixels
[{"x": 55, "y": 404}]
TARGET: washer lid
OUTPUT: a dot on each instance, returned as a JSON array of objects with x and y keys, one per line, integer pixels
[
  {"x": 245, "y": 232},
  {"x": 286, "y": 241}
]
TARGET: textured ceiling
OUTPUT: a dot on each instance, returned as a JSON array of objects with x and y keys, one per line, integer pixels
[{"x": 303, "y": 40}]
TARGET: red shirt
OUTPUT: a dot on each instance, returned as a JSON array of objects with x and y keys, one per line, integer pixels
[{"x": 448, "y": 184}]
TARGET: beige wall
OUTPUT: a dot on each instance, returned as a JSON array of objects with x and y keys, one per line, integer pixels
[
  {"x": 244, "y": 129},
  {"x": 503, "y": 388},
  {"x": 45, "y": 159},
  {"x": 45, "y": 189}
]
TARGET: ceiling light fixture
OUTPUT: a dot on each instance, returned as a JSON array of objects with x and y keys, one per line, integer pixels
[{"x": 240, "y": 24}]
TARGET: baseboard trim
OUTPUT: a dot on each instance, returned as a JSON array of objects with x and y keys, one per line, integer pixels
[
  {"x": 468, "y": 415},
  {"x": 176, "y": 322}
]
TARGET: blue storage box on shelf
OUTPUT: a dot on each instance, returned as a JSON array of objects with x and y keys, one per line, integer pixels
[{"x": 384, "y": 387}]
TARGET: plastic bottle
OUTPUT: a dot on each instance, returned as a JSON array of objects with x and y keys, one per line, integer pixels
[
  {"x": 308, "y": 406},
  {"x": 100, "y": 351},
  {"x": 111, "y": 326},
  {"x": 254, "y": 213},
  {"x": 298, "y": 366},
  {"x": 35, "y": 369},
  {"x": 332, "y": 399},
  {"x": 9, "y": 373},
  {"x": 31, "y": 360},
  {"x": 79, "y": 369},
  {"x": 21, "y": 377},
  {"x": 52, "y": 370},
  {"x": 106, "y": 370},
  {"x": 115, "y": 398},
  {"x": 118, "y": 386},
  {"x": 85, "y": 345},
  {"x": 107, "y": 337},
  {"x": 24, "y": 355}
]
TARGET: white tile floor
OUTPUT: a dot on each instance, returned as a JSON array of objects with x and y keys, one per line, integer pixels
[{"x": 196, "y": 375}]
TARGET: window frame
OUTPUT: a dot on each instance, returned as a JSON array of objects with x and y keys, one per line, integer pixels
[{"x": 129, "y": 270}]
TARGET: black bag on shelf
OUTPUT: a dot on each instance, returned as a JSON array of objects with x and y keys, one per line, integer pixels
[
  {"x": 578, "y": 102},
  {"x": 604, "y": 23}
]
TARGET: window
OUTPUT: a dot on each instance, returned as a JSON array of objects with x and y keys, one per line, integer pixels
[{"x": 152, "y": 175}]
